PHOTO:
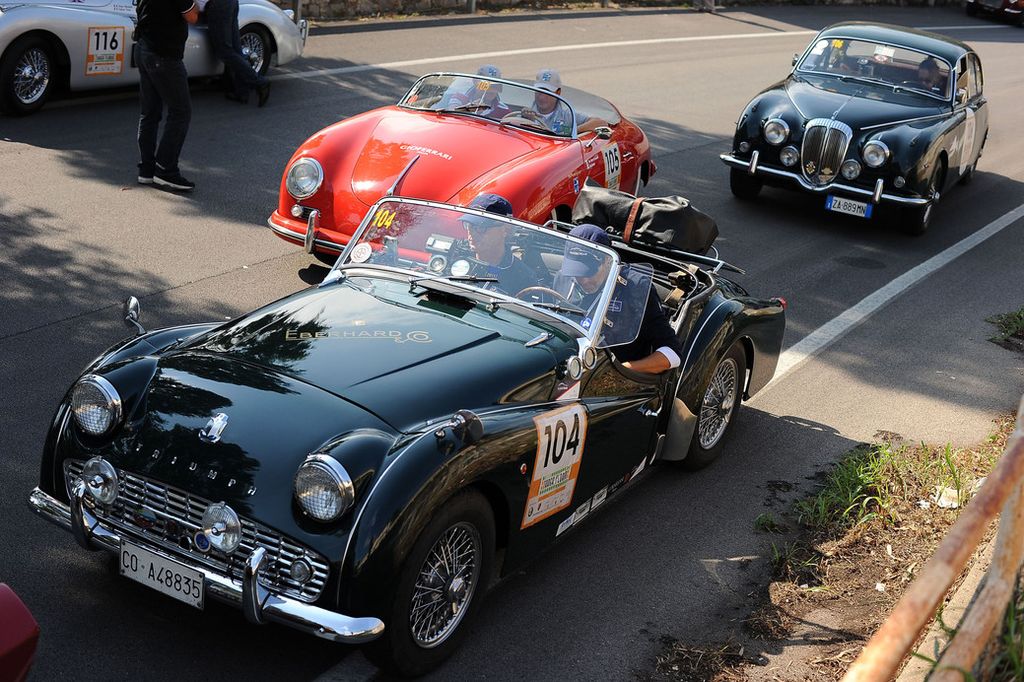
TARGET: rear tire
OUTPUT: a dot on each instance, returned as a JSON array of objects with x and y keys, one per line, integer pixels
[
  {"x": 720, "y": 404},
  {"x": 744, "y": 185},
  {"x": 916, "y": 221},
  {"x": 28, "y": 75},
  {"x": 418, "y": 636}
]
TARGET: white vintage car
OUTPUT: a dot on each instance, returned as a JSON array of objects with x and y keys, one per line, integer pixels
[{"x": 53, "y": 45}]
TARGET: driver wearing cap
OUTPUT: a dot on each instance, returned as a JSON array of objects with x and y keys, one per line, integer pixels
[
  {"x": 550, "y": 111},
  {"x": 656, "y": 348},
  {"x": 488, "y": 240}
]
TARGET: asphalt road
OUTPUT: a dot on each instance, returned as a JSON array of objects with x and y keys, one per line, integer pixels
[{"x": 678, "y": 554}]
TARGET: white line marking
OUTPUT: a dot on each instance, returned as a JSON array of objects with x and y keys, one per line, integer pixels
[
  {"x": 822, "y": 337},
  {"x": 479, "y": 56}
]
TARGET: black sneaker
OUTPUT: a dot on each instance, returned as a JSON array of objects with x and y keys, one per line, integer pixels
[
  {"x": 145, "y": 179},
  {"x": 264, "y": 93},
  {"x": 173, "y": 181}
]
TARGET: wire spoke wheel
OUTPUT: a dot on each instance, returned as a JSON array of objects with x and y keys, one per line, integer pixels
[
  {"x": 718, "y": 405},
  {"x": 31, "y": 76},
  {"x": 445, "y": 585},
  {"x": 254, "y": 49}
]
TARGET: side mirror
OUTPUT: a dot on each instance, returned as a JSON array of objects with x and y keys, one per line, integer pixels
[
  {"x": 796, "y": 56},
  {"x": 961, "y": 96},
  {"x": 132, "y": 312},
  {"x": 603, "y": 133}
]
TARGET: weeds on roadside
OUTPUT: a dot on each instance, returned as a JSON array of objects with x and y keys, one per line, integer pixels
[
  {"x": 1009, "y": 325},
  {"x": 767, "y": 523},
  {"x": 1007, "y": 662}
]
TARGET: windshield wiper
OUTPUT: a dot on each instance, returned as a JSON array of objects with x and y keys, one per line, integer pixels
[
  {"x": 557, "y": 307},
  {"x": 469, "y": 106},
  {"x": 450, "y": 278}
]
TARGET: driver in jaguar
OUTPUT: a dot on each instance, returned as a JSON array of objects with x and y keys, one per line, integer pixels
[
  {"x": 549, "y": 110},
  {"x": 928, "y": 74},
  {"x": 656, "y": 348},
  {"x": 488, "y": 241}
]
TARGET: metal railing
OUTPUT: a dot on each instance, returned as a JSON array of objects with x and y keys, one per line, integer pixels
[{"x": 1000, "y": 495}]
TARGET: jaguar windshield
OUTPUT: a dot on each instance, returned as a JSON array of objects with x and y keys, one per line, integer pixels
[
  {"x": 501, "y": 101},
  {"x": 867, "y": 61},
  {"x": 510, "y": 262}
]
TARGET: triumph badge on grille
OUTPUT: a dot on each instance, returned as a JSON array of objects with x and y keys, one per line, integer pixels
[{"x": 211, "y": 432}]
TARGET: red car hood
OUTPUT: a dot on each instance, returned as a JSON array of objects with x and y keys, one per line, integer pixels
[{"x": 453, "y": 151}]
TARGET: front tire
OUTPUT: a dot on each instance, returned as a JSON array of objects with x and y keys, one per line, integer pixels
[
  {"x": 439, "y": 588},
  {"x": 721, "y": 398},
  {"x": 27, "y": 76},
  {"x": 744, "y": 185},
  {"x": 256, "y": 48},
  {"x": 917, "y": 220}
]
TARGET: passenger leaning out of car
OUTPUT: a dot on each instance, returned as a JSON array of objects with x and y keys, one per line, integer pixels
[
  {"x": 552, "y": 113},
  {"x": 488, "y": 240},
  {"x": 656, "y": 348},
  {"x": 161, "y": 34},
  {"x": 222, "y": 27}
]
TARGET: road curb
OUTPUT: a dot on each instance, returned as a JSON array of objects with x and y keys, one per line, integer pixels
[{"x": 935, "y": 642}]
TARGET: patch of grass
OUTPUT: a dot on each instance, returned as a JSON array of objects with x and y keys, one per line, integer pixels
[
  {"x": 766, "y": 523},
  {"x": 1009, "y": 325},
  {"x": 797, "y": 563},
  {"x": 678, "y": 661},
  {"x": 1006, "y": 662},
  {"x": 855, "y": 491}
]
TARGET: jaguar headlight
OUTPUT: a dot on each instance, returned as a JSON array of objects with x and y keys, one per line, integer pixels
[
  {"x": 850, "y": 169},
  {"x": 100, "y": 480},
  {"x": 789, "y": 156},
  {"x": 222, "y": 527},
  {"x": 304, "y": 178},
  {"x": 875, "y": 153},
  {"x": 775, "y": 131},
  {"x": 96, "y": 405},
  {"x": 323, "y": 488}
]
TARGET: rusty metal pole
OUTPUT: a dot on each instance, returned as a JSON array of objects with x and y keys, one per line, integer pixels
[{"x": 471, "y": 6}]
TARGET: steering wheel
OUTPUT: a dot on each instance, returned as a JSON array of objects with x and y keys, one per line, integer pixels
[
  {"x": 517, "y": 118},
  {"x": 543, "y": 291}
]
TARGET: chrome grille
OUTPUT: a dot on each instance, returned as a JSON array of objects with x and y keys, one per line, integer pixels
[
  {"x": 824, "y": 148},
  {"x": 175, "y": 515}
]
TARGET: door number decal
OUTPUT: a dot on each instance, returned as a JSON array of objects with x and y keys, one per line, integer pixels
[
  {"x": 561, "y": 436},
  {"x": 612, "y": 166}
]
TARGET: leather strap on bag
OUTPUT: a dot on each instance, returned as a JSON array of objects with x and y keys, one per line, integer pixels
[{"x": 633, "y": 212}]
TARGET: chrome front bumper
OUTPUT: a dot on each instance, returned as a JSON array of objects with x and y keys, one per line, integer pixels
[
  {"x": 308, "y": 239},
  {"x": 876, "y": 196},
  {"x": 259, "y": 604}
]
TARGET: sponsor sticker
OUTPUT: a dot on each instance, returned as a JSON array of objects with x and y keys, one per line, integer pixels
[
  {"x": 104, "y": 55},
  {"x": 564, "y": 525},
  {"x": 599, "y": 497},
  {"x": 581, "y": 512},
  {"x": 819, "y": 47},
  {"x": 561, "y": 437},
  {"x": 361, "y": 253}
]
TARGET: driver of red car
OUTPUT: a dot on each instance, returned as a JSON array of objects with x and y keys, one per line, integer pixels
[
  {"x": 547, "y": 109},
  {"x": 488, "y": 240}
]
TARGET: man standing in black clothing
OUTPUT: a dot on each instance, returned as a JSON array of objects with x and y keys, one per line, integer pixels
[
  {"x": 161, "y": 33},
  {"x": 222, "y": 27}
]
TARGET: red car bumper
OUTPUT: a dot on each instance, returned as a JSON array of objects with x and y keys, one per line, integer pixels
[{"x": 19, "y": 634}]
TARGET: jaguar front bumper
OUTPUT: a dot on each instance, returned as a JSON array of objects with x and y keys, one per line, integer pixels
[
  {"x": 259, "y": 604},
  {"x": 874, "y": 196}
]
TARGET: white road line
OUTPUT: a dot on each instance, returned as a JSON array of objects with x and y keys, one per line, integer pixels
[
  {"x": 822, "y": 337},
  {"x": 480, "y": 56}
]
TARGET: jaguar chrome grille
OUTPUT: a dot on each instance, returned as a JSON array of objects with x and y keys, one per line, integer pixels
[
  {"x": 824, "y": 148},
  {"x": 168, "y": 516}
]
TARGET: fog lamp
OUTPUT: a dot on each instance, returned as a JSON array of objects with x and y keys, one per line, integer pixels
[
  {"x": 300, "y": 571},
  {"x": 900, "y": 181},
  {"x": 222, "y": 527},
  {"x": 850, "y": 169},
  {"x": 100, "y": 479},
  {"x": 296, "y": 211},
  {"x": 744, "y": 146},
  {"x": 789, "y": 156}
]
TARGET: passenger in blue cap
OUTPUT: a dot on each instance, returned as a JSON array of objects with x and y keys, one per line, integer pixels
[
  {"x": 656, "y": 348},
  {"x": 488, "y": 240}
]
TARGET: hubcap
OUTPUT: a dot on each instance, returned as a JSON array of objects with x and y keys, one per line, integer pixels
[
  {"x": 719, "y": 402},
  {"x": 445, "y": 586},
  {"x": 253, "y": 50},
  {"x": 31, "y": 76}
]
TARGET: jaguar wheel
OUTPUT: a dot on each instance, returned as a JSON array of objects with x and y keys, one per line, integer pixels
[
  {"x": 439, "y": 589},
  {"x": 720, "y": 402},
  {"x": 256, "y": 48},
  {"x": 917, "y": 220},
  {"x": 744, "y": 185},
  {"x": 27, "y": 76}
]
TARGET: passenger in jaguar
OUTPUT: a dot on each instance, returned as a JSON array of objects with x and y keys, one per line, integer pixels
[
  {"x": 547, "y": 110},
  {"x": 656, "y": 348},
  {"x": 489, "y": 241}
]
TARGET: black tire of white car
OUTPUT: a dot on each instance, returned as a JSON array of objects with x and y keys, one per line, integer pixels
[
  {"x": 397, "y": 651},
  {"x": 702, "y": 451},
  {"x": 256, "y": 37},
  {"x": 744, "y": 185},
  {"x": 916, "y": 220},
  {"x": 26, "y": 92}
]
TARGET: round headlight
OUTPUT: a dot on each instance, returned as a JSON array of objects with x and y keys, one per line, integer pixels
[
  {"x": 222, "y": 527},
  {"x": 789, "y": 156},
  {"x": 850, "y": 169},
  {"x": 875, "y": 153},
  {"x": 775, "y": 131},
  {"x": 323, "y": 488},
  {"x": 96, "y": 405},
  {"x": 100, "y": 479},
  {"x": 304, "y": 178}
]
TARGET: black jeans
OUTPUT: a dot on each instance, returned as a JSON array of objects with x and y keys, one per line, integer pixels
[
  {"x": 222, "y": 28},
  {"x": 162, "y": 82}
]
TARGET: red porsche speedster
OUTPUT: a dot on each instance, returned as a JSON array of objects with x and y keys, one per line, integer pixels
[{"x": 451, "y": 138}]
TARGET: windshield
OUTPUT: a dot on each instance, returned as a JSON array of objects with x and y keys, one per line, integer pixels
[
  {"x": 887, "y": 65},
  {"x": 507, "y": 261},
  {"x": 501, "y": 101}
]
